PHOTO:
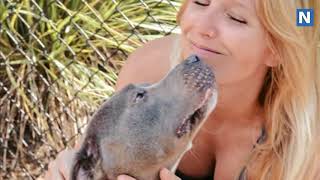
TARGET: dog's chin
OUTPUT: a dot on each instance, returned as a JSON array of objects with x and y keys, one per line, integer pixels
[{"x": 194, "y": 120}]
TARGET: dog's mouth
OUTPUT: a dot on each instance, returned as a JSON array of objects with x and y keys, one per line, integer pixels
[{"x": 194, "y": 119}]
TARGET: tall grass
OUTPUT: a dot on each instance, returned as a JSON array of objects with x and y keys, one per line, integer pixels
[{"x": 59, "y": 60}]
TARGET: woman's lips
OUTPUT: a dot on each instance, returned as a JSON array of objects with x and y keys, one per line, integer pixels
[{"x": 204, "y": 51}]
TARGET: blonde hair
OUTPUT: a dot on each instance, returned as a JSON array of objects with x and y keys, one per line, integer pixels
[{"x": 290, "y": 96}]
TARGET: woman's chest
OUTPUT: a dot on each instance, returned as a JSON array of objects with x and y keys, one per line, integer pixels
[
  {"x": 205, "y": 160},
  {"x": 226, "y": 167},
  {"x": 199, "y": 160},
  {"x": 229, "y": 167}
]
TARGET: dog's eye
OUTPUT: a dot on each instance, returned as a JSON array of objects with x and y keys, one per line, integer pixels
[{"x": 140, "y": 95}]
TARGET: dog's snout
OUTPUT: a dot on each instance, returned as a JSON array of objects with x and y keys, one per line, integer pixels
[
  {"x": 193, "y": 59},
  {"x": 197, "y": 75}
]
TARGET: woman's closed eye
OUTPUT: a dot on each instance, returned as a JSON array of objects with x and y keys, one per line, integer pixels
[
  {"x": 201, "y": 3},
  {"x": 238, "y": 20}
]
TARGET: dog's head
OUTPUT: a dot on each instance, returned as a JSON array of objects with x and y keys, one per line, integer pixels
[{"x": 142, "y": 128}]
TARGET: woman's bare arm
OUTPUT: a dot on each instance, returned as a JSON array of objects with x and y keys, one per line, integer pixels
[{"x": 148, "y": 64}]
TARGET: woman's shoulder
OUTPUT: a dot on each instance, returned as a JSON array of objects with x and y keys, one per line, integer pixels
[{"x": 148, "y": 63}]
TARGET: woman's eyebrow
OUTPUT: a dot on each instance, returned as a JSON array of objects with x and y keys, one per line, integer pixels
[
  {"x": 241, "y": 4},
  {"x": 245, "y": 6}
]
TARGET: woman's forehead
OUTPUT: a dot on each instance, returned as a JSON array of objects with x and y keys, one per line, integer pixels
[{"x": 244, "y": 4}]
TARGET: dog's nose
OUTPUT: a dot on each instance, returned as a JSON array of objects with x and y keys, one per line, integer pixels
[{"x": 193, "y": 59}]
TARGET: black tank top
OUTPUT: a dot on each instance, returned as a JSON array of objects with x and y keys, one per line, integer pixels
[
  {"x": 186, "y": 177},
  {"x": 242, "y": 175}
]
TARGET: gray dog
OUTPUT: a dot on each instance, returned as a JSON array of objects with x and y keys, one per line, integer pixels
[{"x": 143, "y": 128}]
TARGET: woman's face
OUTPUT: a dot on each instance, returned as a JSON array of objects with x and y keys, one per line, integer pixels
[{"x": 227, "y": 35}]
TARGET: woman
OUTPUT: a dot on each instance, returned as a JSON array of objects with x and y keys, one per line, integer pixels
[{"x": 266, "y": 124}]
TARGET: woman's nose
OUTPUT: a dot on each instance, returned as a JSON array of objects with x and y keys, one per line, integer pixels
[
  {"x": 206, "y": 26},
  {"x": 208, "y": 34}
]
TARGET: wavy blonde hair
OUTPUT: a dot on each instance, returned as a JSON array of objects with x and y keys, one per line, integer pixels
[{"x": 290, "y": 96}]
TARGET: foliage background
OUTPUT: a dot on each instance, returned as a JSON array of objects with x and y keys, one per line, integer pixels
[{"x": 59, "y": 59}]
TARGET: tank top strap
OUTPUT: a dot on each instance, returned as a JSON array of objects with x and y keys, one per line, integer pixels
[{"x": 262, "y": 138}]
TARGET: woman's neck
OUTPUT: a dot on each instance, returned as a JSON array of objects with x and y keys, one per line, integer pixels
[{"x": 238, "y": 104}]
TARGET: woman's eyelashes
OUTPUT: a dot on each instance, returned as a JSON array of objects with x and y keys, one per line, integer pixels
[
  {"x": 201, "y": 3},
  {"x": 238, "y": 20}
]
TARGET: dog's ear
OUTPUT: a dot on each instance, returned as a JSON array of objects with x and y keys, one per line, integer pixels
[{"x": 86, "y": 159}]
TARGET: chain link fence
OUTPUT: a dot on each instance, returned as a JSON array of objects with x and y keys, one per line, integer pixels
[{"x": 59, "y": 59}]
